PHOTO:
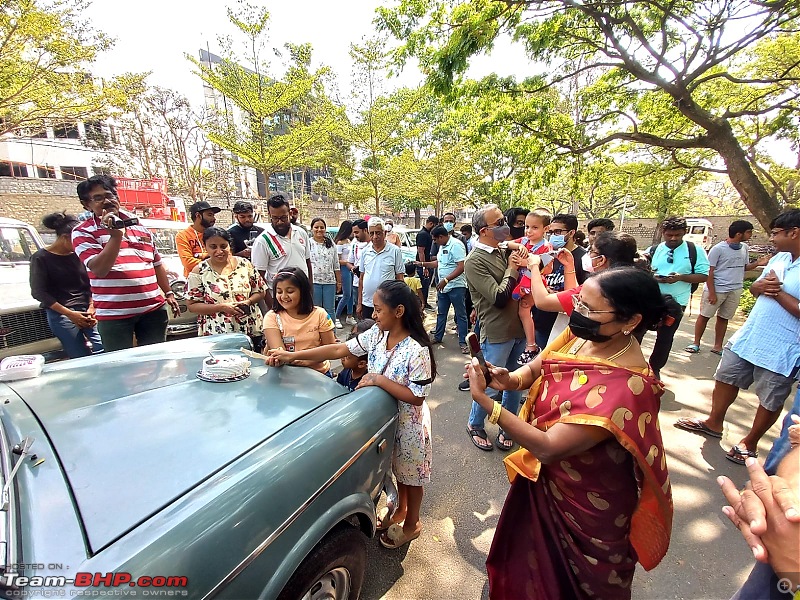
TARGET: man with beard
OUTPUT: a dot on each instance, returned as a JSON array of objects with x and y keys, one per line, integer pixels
[
  {"x": 280, "y": 245},
  {"x": 676, "y": 266},
  {"x": 243, "y": 231},
  {"x": 190, "y": 241}
]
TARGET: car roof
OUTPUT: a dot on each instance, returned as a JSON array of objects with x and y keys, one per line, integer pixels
[{"x": 134, "y": 430}]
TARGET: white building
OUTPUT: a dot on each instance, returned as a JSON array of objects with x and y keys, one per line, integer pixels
[{"x": 55, "y": 152}]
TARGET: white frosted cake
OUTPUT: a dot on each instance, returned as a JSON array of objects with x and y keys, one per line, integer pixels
[{"x": 225, "y": 367}]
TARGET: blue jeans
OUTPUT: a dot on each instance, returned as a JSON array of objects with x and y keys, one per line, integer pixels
[
  {"x": 72, "y": 338},
  {"x": 325, "y": 296},
  {"x": 781, "y": 446},
  {"x": 503, "y": 354},
  {"x": 454, "y": 296},
  {"x": 346, "y": 303}
]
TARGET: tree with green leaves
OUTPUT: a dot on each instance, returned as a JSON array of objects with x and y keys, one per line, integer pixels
[
  {"x": 697, "y": 79},
  {"x": 373, "y": 133},
  {"x": 277, "y": 124},
  {"x": 46, "y": 53}
]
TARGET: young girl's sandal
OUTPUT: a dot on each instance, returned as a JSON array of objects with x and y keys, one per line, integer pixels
[
  {"x": 396, "y": 537},
  {"x": 384, "y": 520}
]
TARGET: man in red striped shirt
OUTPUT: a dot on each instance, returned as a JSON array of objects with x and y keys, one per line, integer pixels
[{"x": 129, "y": 284}]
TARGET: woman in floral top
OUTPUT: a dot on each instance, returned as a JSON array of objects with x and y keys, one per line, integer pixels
[
  {"x": 400, "y": 361},
  {"x": 224, "y": 290},
  {"x": 324, "y": 267}
]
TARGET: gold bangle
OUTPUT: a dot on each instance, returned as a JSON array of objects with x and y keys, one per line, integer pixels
[
  {"x": 519, "y": 381},
  {"x": 495, "y": 416},
  {"x": 568, "y": 272}
]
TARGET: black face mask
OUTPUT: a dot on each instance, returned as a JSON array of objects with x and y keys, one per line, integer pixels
[
  {"x": 587, "y": 328},
  {"x": 517, "y": 232}
]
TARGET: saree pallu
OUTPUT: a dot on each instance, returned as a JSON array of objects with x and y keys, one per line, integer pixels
[{"x": 575, "y": 528}]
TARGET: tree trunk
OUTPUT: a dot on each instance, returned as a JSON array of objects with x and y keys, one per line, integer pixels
[{"x": 417, "y": 218}]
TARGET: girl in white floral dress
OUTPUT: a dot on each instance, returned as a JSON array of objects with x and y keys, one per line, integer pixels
[{"x": 400, "y": 361}]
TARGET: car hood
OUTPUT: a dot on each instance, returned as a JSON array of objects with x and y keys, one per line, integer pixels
[
  {"x": 15, "y": 290},
  {"x": 135, "y": 430}
]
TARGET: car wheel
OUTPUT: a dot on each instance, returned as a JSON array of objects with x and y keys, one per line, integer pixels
[{"x": 334, "y": 570}]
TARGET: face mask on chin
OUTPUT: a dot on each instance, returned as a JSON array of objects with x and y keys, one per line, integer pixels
[
  {"x": 735, "y": 246},
  {"x": 586, "y": 328}
]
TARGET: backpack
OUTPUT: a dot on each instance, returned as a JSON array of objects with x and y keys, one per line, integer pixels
[{"x": 692, "y": 259}]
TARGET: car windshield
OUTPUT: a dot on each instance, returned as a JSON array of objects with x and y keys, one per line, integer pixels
[
  {"x": 165, "y": 241},
  {"x": 698, "y": 229},
  {"x": 16, "y": 245}
]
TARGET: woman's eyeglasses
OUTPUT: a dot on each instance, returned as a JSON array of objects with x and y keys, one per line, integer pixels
[{"x": 584, "y": 310}]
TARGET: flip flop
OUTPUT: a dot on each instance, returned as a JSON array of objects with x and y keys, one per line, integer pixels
[
  {"x": 481, "y": 433},
  {"x": 739, "y": 455},
  {"x": 501, "y": 445},
  {"x": 717, "y": 352},
  {"x": 396, "y": 537},
  {"x": 696, "y": 426},
  {"x": 692, "y": 349}
]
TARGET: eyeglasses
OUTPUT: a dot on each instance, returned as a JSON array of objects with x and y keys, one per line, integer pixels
[
  {"x": 671, "y": 256},
  {"x": 102, "y": 197},
  {"x": 584, "y": 310},
  {"x": 499, "y": 223},
  {"x": 283, "y": 219},
  {"x": 775, "y": 232},
  {"x": 558, "y": 231}
]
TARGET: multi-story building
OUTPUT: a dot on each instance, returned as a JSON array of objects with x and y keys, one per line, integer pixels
[
  {"x": 242, "y": 181},
  {"x": 60, "y": 152}
]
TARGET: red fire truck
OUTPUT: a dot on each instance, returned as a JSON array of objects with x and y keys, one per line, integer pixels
[{"x": 148, "y": 199}]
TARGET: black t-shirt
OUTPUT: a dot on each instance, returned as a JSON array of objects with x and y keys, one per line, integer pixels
[
  {"x": 240, "y": 236},
  {"x": 425, "y": 240},
  {"x": 59, "y": 278}
]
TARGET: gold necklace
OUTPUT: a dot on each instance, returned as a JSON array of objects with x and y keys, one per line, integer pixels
[{"x": 576, "y": 348}]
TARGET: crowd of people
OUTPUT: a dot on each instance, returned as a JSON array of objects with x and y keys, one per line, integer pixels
[{"x": 562, "y": 321}]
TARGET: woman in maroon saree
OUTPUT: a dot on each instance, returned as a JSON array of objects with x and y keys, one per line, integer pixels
[{"x": 590, "y": 493}]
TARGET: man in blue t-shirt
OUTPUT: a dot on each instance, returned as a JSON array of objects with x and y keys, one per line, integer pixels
[{"x": 673, "y": 270}]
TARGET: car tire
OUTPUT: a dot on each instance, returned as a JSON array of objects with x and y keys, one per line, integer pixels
[{"x": 333, "y": 569}]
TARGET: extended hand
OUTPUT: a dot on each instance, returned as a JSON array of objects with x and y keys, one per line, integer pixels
[
  {"x": 277, "y": 357},
  {"x": 231, "y": 309},
  {"x": 369, "y": 379},
  {"x": 522, "y": 251},
  {"x": 566, "y": 258},
  {"x": 671, "y": 278}
]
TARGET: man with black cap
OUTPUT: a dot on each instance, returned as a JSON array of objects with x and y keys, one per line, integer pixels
[
  {"x": 243, "y": 231},
  {"x": 190, "y": 241}
]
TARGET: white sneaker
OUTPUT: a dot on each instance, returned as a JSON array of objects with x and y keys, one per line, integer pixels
[
  {"x": 350, "y": 321},
  {"x": 338, "y": 324}
]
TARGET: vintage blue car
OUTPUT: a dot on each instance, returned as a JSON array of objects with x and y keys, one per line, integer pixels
[{"x": 127, "y": 464}]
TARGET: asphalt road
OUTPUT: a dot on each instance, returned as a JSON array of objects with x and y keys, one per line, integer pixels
[{"x": 707, "y": 557}]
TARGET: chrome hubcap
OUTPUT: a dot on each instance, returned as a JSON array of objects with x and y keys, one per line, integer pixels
[{"x": 334, "y": 585}]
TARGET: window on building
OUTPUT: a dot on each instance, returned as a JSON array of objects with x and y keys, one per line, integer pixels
[
  {"x": 13, "y": 169},
  {"x": 66, "y": 131},
  {"x": 46, "y": 172},
  {"x": 74, "y": 173}
]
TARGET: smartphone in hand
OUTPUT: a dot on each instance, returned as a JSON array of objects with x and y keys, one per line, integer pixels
[{"x": 476, "y": 352}]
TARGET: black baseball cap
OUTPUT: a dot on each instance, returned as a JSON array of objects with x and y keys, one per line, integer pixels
[
  {"x": 242, "y": 207},
  {"x": 199, "y": 207}
]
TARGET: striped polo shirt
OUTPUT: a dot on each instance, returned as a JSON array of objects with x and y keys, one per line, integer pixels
[{"x": 130, "y": 288}]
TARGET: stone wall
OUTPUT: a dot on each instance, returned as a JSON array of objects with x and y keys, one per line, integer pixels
[{"x": 30, "y": 199}]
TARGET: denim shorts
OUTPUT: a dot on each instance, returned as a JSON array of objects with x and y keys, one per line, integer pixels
[{"x": 771, "y": 388}]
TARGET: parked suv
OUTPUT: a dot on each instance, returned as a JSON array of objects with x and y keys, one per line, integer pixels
[{"x": 23, "y": 324}]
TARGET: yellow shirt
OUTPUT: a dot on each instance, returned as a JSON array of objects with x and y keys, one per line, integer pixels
[{"x": 414, "y": 283}]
